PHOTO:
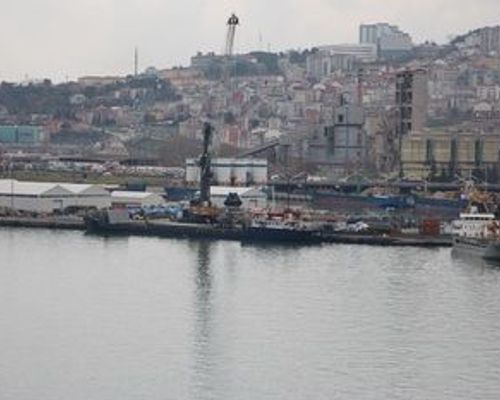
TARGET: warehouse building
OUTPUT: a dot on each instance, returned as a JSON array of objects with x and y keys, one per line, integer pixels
[
  {"x": 449, "y": 153},
  {"x": 88, "y": 196},
  {"x": 20, "y": 134},
  {"x": 45, "y": 197}
]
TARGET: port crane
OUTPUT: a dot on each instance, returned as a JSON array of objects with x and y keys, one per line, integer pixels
[
  {"x": 201, "y": 209},
  {"x": 205, "y": 165},
  {"x": 232, "y": 24}
]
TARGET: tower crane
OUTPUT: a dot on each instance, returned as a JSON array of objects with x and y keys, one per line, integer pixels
[{"x": 232, "y": 23}]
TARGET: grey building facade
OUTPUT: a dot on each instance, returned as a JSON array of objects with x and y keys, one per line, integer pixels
[
  {"x": 411, "y": 101},
  {"x": 391, "y": 42},
  {"x": 343, "y": 146}
]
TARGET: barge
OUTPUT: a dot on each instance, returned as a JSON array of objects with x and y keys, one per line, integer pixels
[{"x": 104, "y": 222}]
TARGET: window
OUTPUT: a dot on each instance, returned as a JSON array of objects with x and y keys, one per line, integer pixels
[{"x": 340, "y": 118}]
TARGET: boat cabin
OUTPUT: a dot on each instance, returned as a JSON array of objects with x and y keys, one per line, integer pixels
[{"x": 474, "y": 225}]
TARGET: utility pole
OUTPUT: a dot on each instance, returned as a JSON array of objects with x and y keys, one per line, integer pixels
[
  {"x": 11, "y": 187},
  {"x": 360, "y": 87}
]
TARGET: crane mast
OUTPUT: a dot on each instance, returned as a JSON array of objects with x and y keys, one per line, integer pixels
[{"x": 205, "y": 165}]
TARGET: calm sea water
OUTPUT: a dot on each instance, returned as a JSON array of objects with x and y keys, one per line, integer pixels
[{"x": 85, "y": 317}]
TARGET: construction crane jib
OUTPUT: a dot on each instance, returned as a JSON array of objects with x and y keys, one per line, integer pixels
[{"x": 232, "y": 23}]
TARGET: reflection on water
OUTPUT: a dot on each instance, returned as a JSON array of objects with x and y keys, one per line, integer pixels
[
  {"x": 468, "y": 259},
  {"x": 203, "y": 362},
  {"x": 141, "y": 318}
]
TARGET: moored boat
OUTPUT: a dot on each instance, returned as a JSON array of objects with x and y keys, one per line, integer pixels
[
  {"x": 281, "y": 230},
  {"x": 477, "y": 234}
]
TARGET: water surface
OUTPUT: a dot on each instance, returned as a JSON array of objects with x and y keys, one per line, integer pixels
[{"x": 84, "y": 317}]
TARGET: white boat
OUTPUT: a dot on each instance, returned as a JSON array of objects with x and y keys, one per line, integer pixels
[{"x": 477, "y": 234}]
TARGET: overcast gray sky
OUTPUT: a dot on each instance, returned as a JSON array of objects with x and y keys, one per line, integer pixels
[{"x": 70, "y": 38}]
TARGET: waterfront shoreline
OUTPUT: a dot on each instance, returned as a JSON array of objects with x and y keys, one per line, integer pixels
[
  {"x": 60, "y": 223},
  {"x": 152, "y": 230}
]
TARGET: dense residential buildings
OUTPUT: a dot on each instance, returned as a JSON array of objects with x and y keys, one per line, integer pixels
[
  {"x": 490, "y": 39},
  {"x": 378, "y": 107},
  {"x": 484, "y": 40}
]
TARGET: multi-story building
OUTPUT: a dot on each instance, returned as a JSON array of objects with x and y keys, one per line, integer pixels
[
  {"x": 182, "y": 77},
  {"x": 365, "y": 53},
  {"x": 343, "y": 146},
  {"x": 490, "y": 39},
  {"x": 323, "y": 64},
  {"x": 390, "y": 41},
  {"x": 486, "y": 40},
  {"x": 411, "y": 101},
  {"x": 99, "y": 80}
]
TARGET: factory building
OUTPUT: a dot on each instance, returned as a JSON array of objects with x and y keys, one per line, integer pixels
[
  {"x": 45, "y": 197},
  {"x": 449, "y": 153},
  {"x": 230, "y": 171},
  {"x": 123, "y": 199},
  {"x": 343, "y": 145},
  {"x": 251, "y": 197}
]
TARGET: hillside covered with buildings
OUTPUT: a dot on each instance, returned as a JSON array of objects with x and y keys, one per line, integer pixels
[{"x": 382, "y": 106}]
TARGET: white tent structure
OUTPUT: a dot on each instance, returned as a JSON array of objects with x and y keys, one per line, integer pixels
[{"x": 87, "y": 195}]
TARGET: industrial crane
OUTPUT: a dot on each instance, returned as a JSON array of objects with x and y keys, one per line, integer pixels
[
  {"x": 205, "y": 166},
  {"x": 232, "y": 23},
  {"x": 201, "y": 209}
]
